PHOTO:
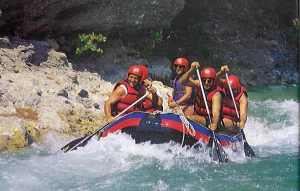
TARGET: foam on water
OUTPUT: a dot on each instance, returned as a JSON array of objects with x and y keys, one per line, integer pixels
[
  {"x": 267, "y": 134},
  {"x": 117, "y": 163},
  {"x": 109, "y": 161},
  {"x": 276, "y": 130}
]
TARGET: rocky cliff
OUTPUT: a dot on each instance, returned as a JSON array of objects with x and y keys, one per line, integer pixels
[
  {"x": 253, "y": 37},
  {"x": 41, "y": 97},
  {"x": 43, "y": 101},
  {"x": 68, "y": 16}
]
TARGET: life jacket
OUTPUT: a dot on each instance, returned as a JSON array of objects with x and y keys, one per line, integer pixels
[
  {"x": 199, "y": 104},
  {"x": 179, "y": 92},
  {"x": 133, "y": 94},
  {"x": 228, "y": 106}
]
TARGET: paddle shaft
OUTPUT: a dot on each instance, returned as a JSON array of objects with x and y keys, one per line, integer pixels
[
  {"x": 238, "y": 115},
  {"x": 232, "y": 97},
  {"x": 203, "y": 95},
  {"x": 129, "y": 107},
  {"x": 121, "y": 113},
  {"x": 205, "y": 100},
  {"x": 216, "y": 142}
]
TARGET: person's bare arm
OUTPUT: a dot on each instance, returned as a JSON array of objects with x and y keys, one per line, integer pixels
[
  {"x": 116, "y": 95},
  {"x": 216, "y": 110},
  {"x": 243, "y": 110},
  {"x": 222, "y": 71},
  {"x": 222, "y": 81},
  {"x": 186, "y": 79},
  {"x": 157, "y": 101}
]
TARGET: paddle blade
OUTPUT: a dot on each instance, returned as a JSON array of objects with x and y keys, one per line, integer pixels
[
  {"x": 248, "y": 150},
  {"x": 221, "y": 154},
  {"x": 217, "y": 153},
  {"x": 82, "y": 141},
  {"x": 79, "y": 142}
]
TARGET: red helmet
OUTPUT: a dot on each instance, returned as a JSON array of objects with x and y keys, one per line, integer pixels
[
  {"x": 234, "y": 82},
  {"x": 135, "y": 70},
  {"x": 145, "y": 72},
  {"x": 208, "y": 73},
  {"x": 181, "y": 62}
]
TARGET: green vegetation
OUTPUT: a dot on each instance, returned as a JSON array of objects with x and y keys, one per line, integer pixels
[
  {"x": 151, "y": 42},
  {"x": 90, "y": 43},
  {"x": 156, "y": 37}
]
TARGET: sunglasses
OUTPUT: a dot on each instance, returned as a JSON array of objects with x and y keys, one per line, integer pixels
[
  {"x": 234, "y": 91},
  {"x": 207, "y": 80},
  {"x": 179, "y": 66}
]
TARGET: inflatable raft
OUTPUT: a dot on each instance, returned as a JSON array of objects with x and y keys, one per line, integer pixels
[{"x": 165, "y": 127}]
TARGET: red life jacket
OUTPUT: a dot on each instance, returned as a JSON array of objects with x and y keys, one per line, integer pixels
[
  {"x": 199, "y": 103},
  {"x": 133, "y": 94},
  {"x": 228, "y": 106}
]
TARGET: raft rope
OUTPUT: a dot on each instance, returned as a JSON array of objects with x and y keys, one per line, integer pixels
[
  {"x": 186, "y": 125},
  {"x": 183, "y": 129}
]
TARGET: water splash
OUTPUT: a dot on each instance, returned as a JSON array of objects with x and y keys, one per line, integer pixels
[
  {"x": 117, "y": 163},
  {"x": 272, "y": 126}
]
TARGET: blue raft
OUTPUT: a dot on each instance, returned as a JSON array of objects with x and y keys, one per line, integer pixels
[{"x": 165, "y": 127}]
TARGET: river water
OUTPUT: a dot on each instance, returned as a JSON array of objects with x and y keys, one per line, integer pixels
[{"x": 117, "y": 163}]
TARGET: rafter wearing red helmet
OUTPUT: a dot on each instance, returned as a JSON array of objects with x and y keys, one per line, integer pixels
[
  {"x": 213, "y": 96},
  {"x": 182, "y": 95},
  {"x": 130, "y": 90},
  {"x": 232, "y": 123}
]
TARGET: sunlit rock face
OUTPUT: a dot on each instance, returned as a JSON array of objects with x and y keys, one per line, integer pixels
[
  {"x": 68, "y": 16},
  {"x": 41, "y": 94},
  {"x": 44, "y": 100},
  {"x": 49, "y": 101}
]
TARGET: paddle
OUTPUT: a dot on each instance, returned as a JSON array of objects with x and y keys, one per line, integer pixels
[
  {"x": 82, "y": 141},
  {"x": 216, "y": 146},
  {"x": 247, "y": 149}
]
